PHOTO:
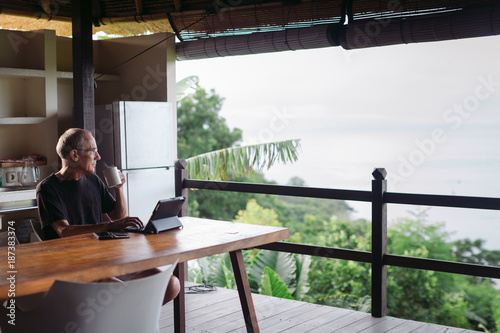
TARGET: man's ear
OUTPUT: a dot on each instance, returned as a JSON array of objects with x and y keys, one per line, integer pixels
[{"x": 74, "y": 155}]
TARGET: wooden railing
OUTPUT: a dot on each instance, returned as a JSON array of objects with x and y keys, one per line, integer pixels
[{"x": 379, "y": 198}]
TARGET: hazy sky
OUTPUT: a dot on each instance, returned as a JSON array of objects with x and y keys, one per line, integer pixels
[{"x": 428, "y": 113}]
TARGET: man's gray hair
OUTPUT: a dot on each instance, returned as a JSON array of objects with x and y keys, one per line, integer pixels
[{"x": 73, "y": 138}]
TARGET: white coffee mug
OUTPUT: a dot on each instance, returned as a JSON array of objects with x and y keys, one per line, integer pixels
[{"x": 112, "y": 176}]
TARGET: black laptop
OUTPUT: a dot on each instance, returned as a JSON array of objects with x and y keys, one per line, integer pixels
[{"x": 164, "y": 217}]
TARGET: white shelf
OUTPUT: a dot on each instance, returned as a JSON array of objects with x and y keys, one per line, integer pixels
[
  {"x": 69, "y": 75},
  {"x": 16, "y": 194},
  {"x": 22, "y": 120},
  {"x": 17, "y": 200},
  {"x": 29, "y": 73},
  {"x": 21, "y": 72}
]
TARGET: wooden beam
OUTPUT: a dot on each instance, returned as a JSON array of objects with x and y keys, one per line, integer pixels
[{"x": 83, "y": 66}]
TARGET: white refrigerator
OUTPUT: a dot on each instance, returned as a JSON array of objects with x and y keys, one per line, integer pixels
[{"x": 140, "y": 139}]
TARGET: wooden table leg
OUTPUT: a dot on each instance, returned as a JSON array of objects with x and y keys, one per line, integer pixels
[
  {"x": 241, "y": 279},
  {"x": 180, "y": 301}
]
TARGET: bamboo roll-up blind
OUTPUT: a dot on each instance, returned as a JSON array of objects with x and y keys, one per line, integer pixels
[
  {"x": 469, "y": 22},
  {"x": 263, "y": 17},
  {"x": 290, "y": 39},
  {"x": 225, "y": 18}
]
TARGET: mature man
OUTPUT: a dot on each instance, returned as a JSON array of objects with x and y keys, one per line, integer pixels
[{"x": 75, "y": 200}]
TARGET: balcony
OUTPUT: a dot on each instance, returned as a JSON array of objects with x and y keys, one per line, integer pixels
[{"x": 330, "y": 319}]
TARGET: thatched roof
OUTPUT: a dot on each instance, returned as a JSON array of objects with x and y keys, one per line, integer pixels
[{"x": 64, "y": 28}]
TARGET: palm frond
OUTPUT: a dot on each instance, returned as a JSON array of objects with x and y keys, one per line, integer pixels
[
  {"x": 184, "y": 86},
  {"x": 218, "y": 164}
]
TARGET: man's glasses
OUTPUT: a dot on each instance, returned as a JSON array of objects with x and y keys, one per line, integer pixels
[{"x": 92, "y": 151}]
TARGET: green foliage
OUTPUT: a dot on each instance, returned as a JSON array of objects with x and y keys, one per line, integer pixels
[
  {"x": 329, "y": 277},
  {"x": 255, "y": 214},
  {"x": 200, "y": 128},
  {"x": 413, "y": 293},
  {"x": 292, "y": 210},
  {"x": 217, "y": 165},
  {"x": 482, "y": 303},
  {"x": 224, "y": 206},
  {"x": 207, "y": 144},
  {"x": 302, "y": 264},
  {"x": 271, "y": 273},
  {"x": 496, "y": 310},
  {"x": 414, "y": 233},
  {"x": 280, "y": 262},
  {"x": 184, "y": 86},
  {"x": 271, "y": 284},
  {"x": 472, "y": 252},
  {"x": 221, "y": 273}
]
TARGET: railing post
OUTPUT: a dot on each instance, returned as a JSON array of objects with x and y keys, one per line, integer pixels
[
  {"x": 379, "y": 243},
  {"x": 181, "y": 271},
  {"x": 180, "y": 175}
]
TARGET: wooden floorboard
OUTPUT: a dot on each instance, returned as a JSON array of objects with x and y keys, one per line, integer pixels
[{"x": 220, "y": 312}]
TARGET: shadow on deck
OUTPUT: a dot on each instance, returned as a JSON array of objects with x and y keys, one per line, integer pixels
[{"x": 220, "y": 311}]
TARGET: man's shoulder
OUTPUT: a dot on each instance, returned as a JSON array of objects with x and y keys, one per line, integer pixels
[{"x": 47, "y": 181}]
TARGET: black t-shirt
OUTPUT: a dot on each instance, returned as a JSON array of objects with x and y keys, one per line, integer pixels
[{"x": 79, "y": 202}]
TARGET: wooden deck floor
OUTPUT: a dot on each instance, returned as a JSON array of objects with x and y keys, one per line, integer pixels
[{"x": 220, "y": 311}]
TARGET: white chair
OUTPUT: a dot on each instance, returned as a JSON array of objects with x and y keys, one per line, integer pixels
[
  {"x": 112, "y": 307},
  {"x": 37, "y": 233}
]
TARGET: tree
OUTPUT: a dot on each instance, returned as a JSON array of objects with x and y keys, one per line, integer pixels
[
  {"x": 334, "y": 278},
  {"x": 472, "y": 252},
  {"x": 200, "y": 128}
]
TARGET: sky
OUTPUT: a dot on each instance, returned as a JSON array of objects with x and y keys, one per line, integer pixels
[{"x": 428, "y": 113}]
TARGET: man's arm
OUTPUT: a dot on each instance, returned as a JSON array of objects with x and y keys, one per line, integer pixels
[{"x": 63, "y": 228}]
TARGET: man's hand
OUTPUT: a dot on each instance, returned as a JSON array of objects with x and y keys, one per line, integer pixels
[
  {"x": 123, "y": 179},
  {"x": 127, "y": 221}
]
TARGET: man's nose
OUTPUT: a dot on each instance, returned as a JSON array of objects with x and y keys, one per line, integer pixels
[{"x": 97, "y": 156}]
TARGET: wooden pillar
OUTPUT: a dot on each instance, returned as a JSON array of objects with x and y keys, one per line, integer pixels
[
  {"x": 83, "y": 66},
  {"x": 379, "y": 243}
]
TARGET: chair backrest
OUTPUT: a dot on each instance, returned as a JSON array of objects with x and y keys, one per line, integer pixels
[
  {"x": 110, "y": 307},
  {"x": 37, "y": 231},
  {"x": 4, "y": 238}
]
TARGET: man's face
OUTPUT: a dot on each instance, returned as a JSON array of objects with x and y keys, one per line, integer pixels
[{"x": 88, "y": 155}]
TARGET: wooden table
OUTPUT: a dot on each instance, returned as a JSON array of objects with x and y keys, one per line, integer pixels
[{"x": 84, "y": 258}]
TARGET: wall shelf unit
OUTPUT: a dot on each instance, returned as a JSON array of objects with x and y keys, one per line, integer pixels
[{"x": 36, "y": 93}]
